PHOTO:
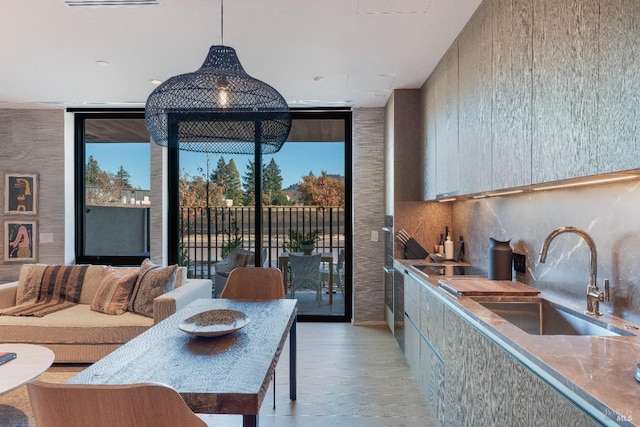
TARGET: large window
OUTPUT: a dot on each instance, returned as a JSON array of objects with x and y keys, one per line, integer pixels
[{"x": 113, "y": 188}]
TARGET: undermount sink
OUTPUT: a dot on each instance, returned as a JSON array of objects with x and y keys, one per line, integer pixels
[{"x": 538, "y": 316}]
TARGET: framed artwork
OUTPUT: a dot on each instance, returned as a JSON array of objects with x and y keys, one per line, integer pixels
[
  {"x": 21, "y": 193},
  {"x": 20, "y": 241}
]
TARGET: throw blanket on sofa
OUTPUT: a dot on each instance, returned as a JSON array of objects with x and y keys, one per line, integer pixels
[{"x": 60, "y": 288}]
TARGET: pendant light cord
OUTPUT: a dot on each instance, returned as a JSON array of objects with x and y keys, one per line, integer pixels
[{"x": 222, "y": 22}]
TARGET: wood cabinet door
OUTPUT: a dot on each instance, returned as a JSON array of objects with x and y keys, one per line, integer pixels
[
  {"x": 475, "y": 102},
  {"x": 619, "y": 86},
  {"x": 446, "y": 81},
  {"x": 512, "y": 87},
  {"x": 565, "y": 89}
]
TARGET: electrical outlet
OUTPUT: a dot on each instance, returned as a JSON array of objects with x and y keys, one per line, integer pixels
[{"x": 520, "y": 263}]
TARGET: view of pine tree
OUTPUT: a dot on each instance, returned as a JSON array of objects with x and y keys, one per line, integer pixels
[
  {"x": 122, "y": 178},
  {"x": 249, "y": 180},
  {"x": 272, "y": 185},
  {"x": 108, "y": 184},
  {"x": 234, "y": 186},
  {"x": 92, "y": 172},
  {"x": 219, "y": 175},
  {"x": 227, "y": 178}
]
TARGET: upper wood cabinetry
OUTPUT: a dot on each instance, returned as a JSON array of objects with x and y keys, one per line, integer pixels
[
  {"x": 429, "y": 111},
  {"x": 475, "y": 99},
  {"x": 446, "y": 119},
  {"x": 619, "y": 88},
  {"x": 512, "y": 86},
  {"x": 535, "y": 91},
  {"x": 404, "y": 146},
  {"x": 565, "y": 95}
]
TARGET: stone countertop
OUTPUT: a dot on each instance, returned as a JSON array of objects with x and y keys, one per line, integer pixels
[{"x": 595, "y": 372}]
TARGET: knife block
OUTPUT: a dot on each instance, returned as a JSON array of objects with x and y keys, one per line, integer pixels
[{"x": 413, "y": 250}]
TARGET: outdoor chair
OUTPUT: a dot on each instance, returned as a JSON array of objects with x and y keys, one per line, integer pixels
[
  {"x": 305, "y": 273},
  {"x": 338, "y": 271},
  {"x": 140, "y": 405}
]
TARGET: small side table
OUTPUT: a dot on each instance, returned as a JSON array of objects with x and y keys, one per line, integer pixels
[{"x": 31, "y": 361}]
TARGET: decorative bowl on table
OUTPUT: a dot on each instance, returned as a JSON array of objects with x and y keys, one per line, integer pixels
[{"x": 213, "y": 323}]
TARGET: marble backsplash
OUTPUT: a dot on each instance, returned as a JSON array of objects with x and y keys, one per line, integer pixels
[{"x": 609, "y": 213}]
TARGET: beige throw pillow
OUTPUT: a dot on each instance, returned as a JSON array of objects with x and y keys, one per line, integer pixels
[
  {"x": 114, "y": 292},
  {"x": 152, "y": 282}
]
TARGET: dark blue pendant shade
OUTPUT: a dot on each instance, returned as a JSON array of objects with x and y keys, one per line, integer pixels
[{"x": 218, "y": 109}]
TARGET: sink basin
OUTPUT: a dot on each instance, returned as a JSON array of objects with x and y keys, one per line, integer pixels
[{"x": 538, "y": 316}]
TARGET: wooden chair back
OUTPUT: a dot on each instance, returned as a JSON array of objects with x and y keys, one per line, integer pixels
[
  {"x": 78, "y": 405},
  {"x": 254, "y": 283}
]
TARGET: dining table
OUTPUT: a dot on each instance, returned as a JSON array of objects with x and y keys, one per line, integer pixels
[
  {"x": 225, "y": 374},
  {"x": 283, "y": 264}
]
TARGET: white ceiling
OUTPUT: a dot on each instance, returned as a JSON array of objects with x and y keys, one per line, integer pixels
[{"x": 363, "y": 49}]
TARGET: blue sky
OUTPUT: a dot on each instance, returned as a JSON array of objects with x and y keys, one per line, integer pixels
[{"x": 295, "y": 160}]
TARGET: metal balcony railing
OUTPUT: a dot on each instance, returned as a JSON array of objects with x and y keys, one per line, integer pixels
[{"x": 208, "y": 234}]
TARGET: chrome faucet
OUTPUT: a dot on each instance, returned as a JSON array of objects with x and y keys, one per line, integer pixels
[{"x": 594, "y": 295}]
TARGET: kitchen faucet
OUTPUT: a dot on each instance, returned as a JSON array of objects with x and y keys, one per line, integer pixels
[{"x": 594, "y": 295}]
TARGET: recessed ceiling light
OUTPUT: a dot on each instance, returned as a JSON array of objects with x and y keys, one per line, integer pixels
[
  {"x": 102, "y": 63},
  {"x": 156, "y": 81},
  {"x": 317, "y": 78}
]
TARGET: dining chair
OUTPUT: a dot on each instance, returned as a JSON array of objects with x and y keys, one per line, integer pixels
[
  {"x": 305, "y": 273},
  {"x": 80, "y": 405},
  {"x": 338, "y": 271},
  {"x": 254, "y": 283},
  {"x": 238, "y": 257}
]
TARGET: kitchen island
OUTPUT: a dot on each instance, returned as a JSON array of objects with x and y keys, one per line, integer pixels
[{"x": 476, "y": 368}]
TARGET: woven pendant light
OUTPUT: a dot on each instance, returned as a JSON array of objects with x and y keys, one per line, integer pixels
[{"x": 218, "y": 109}]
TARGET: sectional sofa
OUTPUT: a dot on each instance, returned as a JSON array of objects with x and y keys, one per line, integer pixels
[{"x": 113, "y": 307}]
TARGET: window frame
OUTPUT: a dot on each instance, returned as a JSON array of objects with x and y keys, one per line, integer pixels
[{"x": 80, "y": 116}]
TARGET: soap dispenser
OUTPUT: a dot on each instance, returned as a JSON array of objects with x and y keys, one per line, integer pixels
[{"x": 448, "y": 248}]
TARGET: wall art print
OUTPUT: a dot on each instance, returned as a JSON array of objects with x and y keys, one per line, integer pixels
[
  {"x": 21, "y": 193},
  {"x": 19, "y": 241}
]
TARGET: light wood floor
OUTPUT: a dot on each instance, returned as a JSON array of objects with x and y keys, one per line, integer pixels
[{"x": 352, "y": 376}]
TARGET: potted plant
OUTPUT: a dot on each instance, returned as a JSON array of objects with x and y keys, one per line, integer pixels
[
  {"x": 308, "y": 241},
  {"x": 304, "y": 242}
]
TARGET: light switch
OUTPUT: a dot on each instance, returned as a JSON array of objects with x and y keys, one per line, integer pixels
[
  {"x": 374, "y": 236},
  {"x": 46, "y": 237}
]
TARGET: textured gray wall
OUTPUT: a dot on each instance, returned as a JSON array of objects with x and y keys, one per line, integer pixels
[
  {"x": 368, "y": 215},
  {"x": 32, "y": 141}
]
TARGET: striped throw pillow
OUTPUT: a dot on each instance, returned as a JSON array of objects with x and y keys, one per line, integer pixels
[{"x": 114, "y": 292}]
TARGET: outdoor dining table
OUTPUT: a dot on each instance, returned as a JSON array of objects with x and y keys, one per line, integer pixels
[
  {"x": 227, "y": 374},
  {"x": 283, "y": 263}
]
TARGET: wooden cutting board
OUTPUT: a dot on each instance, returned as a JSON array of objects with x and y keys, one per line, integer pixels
[{"x": 479, "y": 287}]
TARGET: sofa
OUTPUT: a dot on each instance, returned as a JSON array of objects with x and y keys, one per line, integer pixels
[{"x": 114, "y": 305}]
